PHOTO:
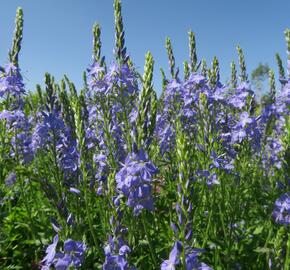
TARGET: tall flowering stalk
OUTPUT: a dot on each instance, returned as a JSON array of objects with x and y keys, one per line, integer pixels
[
  {"x": 215, "y": 76},
  {"x": 171, "y": 58},
  {"x": 192, "y": 52},
  {"x": 243, "y": 68},
  {"x": 84, "y": 179},
  {"x": 233, "y": 75},
  {"x": 16, "y": 45},
  {"x": 182, "y": 252},
  {"x": 146, "y": 110},
  {"x": 183, "y": 206},
  {"x": 280, "y": 68},
  {"x": 97, "y": 42},
  {"x": 186, "y": 69},
  {"x": 120, "y": 49}
]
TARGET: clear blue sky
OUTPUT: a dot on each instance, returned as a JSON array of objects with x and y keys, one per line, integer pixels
[{"x": 58, "y": 39}]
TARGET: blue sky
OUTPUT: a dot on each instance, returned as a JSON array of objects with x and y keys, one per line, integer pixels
[{"x": 58, "y": 39}]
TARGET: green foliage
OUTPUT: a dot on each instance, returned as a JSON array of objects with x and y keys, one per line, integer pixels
[{"x": 260, "y": 73}]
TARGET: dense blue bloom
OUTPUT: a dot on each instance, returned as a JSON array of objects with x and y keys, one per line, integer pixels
[
  {"x": 115, "y": 79},
  {"x": 165, "y": 134},
  {"x": 115, "y": 262},
  {"x": 12, "y": 116},
  {"x": 68, "y": 153},
  {"x": 134, "y": 181},
  {"x": 51, "y": 131},
  {"x": 281, "y": 211},
  {"x": 164, "y": 129},
  {"x": 10, "y": 179},
  {"x": 72, "y": 255},
  {"x": 283, "y": 98},
  {"x": 239, "y": 96},
  {"x": 272, "y": 153},
  {"x": 192, "y": 262},
  {"x": 272, "y": 124},
  {"x": 172, "y": 93},
  {"x": 20, "y": 126},
  {"x": 196, "y": 78},
  {"x": 48, "y": 130},
  {"x": 76, "y": 250},
  {"x": 11, "y": 82},
  {"x": 63, "y": 261}
]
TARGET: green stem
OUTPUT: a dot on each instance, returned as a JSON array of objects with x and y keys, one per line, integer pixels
[
  {"x": 26, "y": 205},
  {"x": 149, "y": 241},
  {"x": 90, "y": 220},
  {"x": 287, "y": 259},
  {"x": 208, "y": 225}
]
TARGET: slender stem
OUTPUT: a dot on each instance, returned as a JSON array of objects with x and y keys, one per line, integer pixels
[
  {"x": 26, "y": 205},
  {"x": 149, "y": 240},
  {"x": 208, "y": 223},
  {"x": 88, "y": 210},
  {"x": 287, "y": 258}
]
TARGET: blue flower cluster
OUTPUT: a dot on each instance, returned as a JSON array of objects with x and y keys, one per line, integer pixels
[
  {"x": 191, "y": 259},
  {"x": 281, "y": 211},
  {"x": 134, "y": 180},
  {"x": 11, "y": 83},
  {"x": 72, "y": 255}
]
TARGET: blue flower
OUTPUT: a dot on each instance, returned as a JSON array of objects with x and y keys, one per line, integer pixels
[
  {"x": 115, "y": 262},
  {"x": 63, "y": 261},
  {"x": 51, "y": 131},
  {"x": 11, "y": 82},
  {"x": 196, "y": 78},
  {"x": 10, "y": 179},
  {"x": 134, "y": 181},
  {"x": 50, "y": 254},
  {"x": 72, "y": 255},
  {"x": 239, "y": 96},
  {"x": 281, "y": 211},
  {"x": 192, "y": 262},
  {"x": 174, "y": 257},
  {"x": 19, "y": 125},
  {"x": 191, "y": 259},
  {"x": 77, "y": 251},
  {"x": 116, "y": 78}
]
